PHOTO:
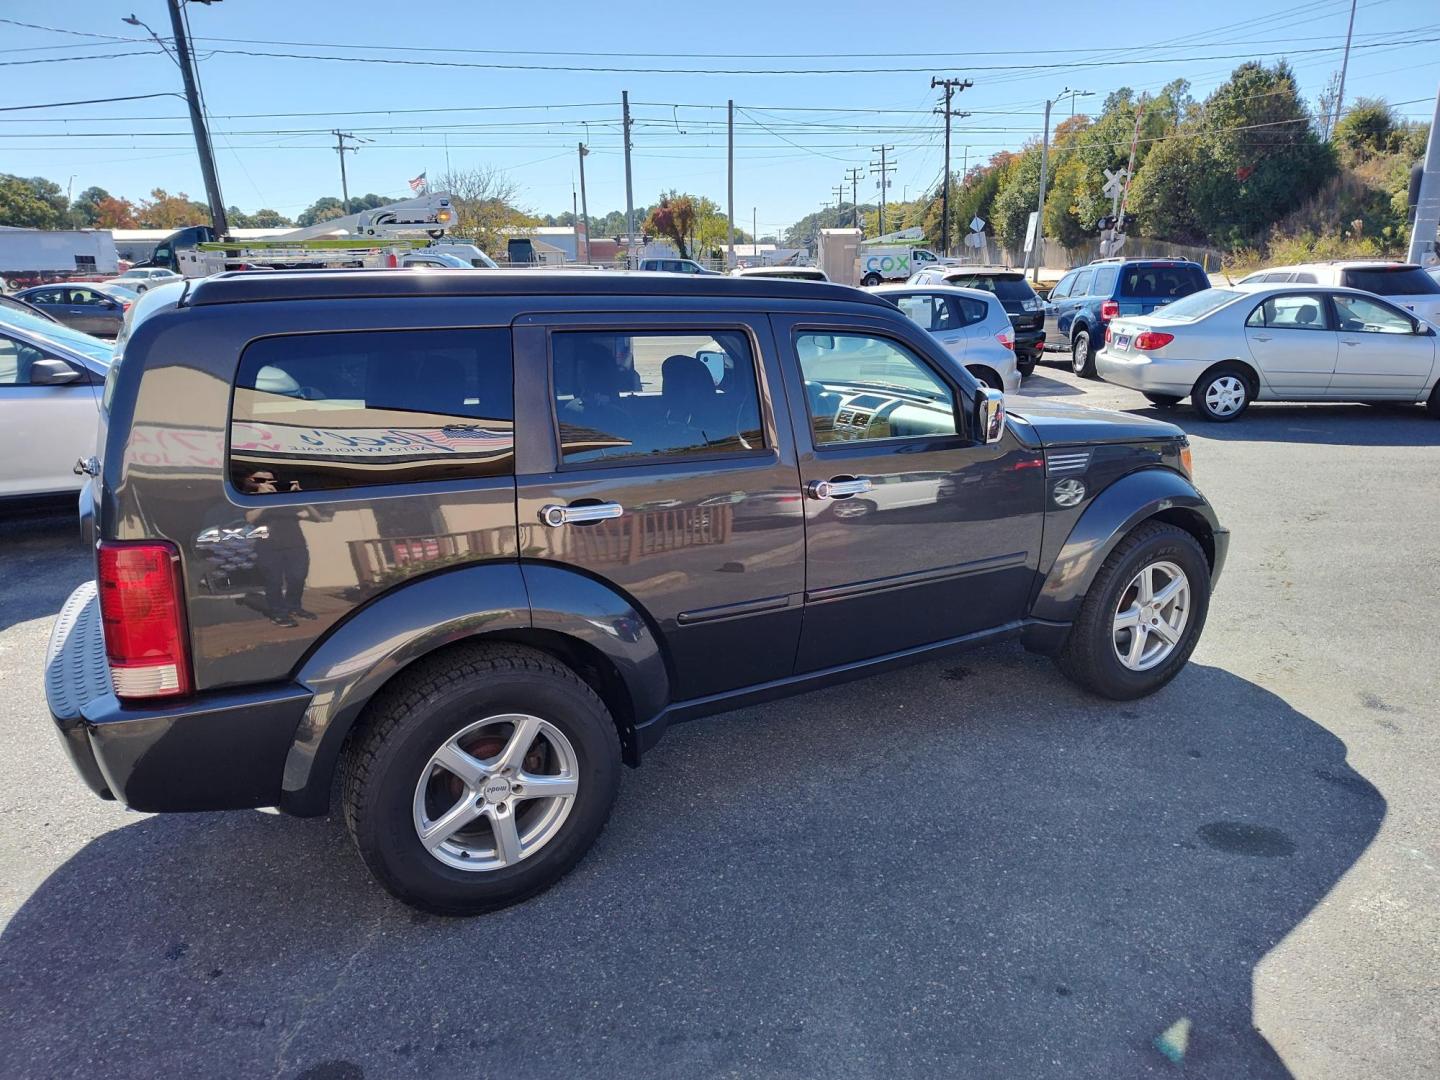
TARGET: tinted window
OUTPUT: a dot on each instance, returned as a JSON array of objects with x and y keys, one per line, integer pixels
[
  {"x": 45, "y": 296},
  {"x": 1105, "y": 280},
  {"x": 1152, "y": 279},
  {"x": 316, "y": 412},
  {"x": 1358, "y": 315},
  {"x": 858, "y": 386},
  {"x": 1301, "y": 312},
  {"x": 642, "y": 397},
  {"x": 1404, "y": 281},
  {"x": 940, "y": 313},
  {"x": 1062, "y": 290},
  {"x": 1081, "y": 287},
  {"x": 1197, "y": 305},
  {"x": 1303, "y": 278},
  {"x": 1005, "y": 286}
]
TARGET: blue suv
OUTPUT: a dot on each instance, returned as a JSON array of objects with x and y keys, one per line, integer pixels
[{"x": 1081, "y": 306}]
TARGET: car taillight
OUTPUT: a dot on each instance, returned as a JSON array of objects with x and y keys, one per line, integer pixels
[
  {"x": 140, "y": 609},
  {"x": 1004, "y": 338},
  {"x": 1109, "y": 309},
  {"x": 1150, "y": 339}
]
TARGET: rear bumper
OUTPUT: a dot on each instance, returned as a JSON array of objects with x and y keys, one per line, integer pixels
[
  {"x": 214, "y": 751},
  {"x": 1148, "y": 374}
]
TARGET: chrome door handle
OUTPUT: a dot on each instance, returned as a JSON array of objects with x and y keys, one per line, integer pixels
[
  {"x": 555, "y": 515},
  {"x": 834, "y": 489},
  {"x": 1262, "y": 337},
  {"x": 1352, "y": 344}
]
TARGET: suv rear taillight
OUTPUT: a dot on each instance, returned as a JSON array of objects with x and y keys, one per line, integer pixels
[
  {"x": 1151, "y": 339},
  {"x": 1109, "y": 309},
  {"x": 140, "y": 609}
]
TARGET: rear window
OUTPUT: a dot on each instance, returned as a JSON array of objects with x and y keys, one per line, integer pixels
[
  {"x": 1004, "y": 286},
  {"x": 1152, "y": 279},
  {"x": 1197, "y": 305},
  {"x": 318, "y": 412},
  {"x": 1400, "y": 281}
]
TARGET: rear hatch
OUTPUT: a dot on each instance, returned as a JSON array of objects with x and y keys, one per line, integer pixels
[
  {"x": 1026, "y": 310},
  {"x": 1145, "y": 286},
  {"x": 1404, "y": 285}
]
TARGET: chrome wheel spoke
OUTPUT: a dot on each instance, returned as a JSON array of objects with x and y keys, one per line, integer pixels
[
  {"x": 531, "y": 786},
  {"x": 452, "y": 821},
  {"x": 1145, "y": 583},
  {"x": 469, "y": 769},
  {"x": 1128, "y": 619},
  {"x": 507, "y": 836},
  {"x": 1165, "y": 630},
  {"x": 1170, "y": 591},
  {"x": 521, "y": 739},
  {"x": 1138, "y": 636}
]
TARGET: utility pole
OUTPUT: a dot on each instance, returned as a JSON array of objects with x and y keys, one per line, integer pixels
[
  {"x": 839, "y": 191},
  {"x": 1427, "y": 201},
  {"x": 730, "y": 196},
  {"x": 1044, "y": 176},
  {"x": 629, "y": 190},
  {"x": 853, "y": 175},
  {"x": 754, "y": 231},
  {"x": 584, "y": 206},
  {"x": 1344, "y": 65},
  {"x": 342, "y": 150},
  {"x": 197, "y": 117},
  {"x": 885, "y": 170},
  {"x": 950, "y": 85}
]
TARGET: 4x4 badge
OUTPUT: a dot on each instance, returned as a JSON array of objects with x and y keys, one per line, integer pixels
[
  {"x": 1068, "y": 492},
  {"x": 218, "y": 535}
]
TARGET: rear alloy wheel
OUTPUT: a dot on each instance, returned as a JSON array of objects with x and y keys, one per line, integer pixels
[
  {"x": 1081, "y": 360},
  {"x": 1163, "y": 401},
  {"x": 1221, "y": 395}
]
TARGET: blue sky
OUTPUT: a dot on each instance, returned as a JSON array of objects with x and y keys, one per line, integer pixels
[{"x": 797, "y": 134}]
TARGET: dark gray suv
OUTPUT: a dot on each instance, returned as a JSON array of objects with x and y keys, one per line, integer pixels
[{"x": 470, "y": 542}]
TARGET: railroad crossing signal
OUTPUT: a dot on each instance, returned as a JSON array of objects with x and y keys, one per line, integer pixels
[{"x": 1115, "y": 182}]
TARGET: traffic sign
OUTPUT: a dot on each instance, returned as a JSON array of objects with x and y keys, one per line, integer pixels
[
  {"x": 976, "y": 224},
  {"x": 1114, "y": 182}
]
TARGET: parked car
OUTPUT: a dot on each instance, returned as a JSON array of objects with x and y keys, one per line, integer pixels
[
  {"x": 456, "y": 552},
  {"x": 141, "y": 278},
  {"x": 1403, "y": 284},
  {"x": 793, "y": 273},
  {"x": 1026, "y": 310},
  {"x": 95, "y": 308},
  {"x": 674, "y": 266},
  {"x": 50, "y": 379},
  {"x": 435, "y": 260},
  {"x": 1081, "y": 305},
  {"x": 1224, "y": 348},
  {"x": 970, "y": 323}
]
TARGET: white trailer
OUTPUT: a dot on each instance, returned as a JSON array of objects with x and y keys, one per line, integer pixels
[{"x": 34, "y": 255}]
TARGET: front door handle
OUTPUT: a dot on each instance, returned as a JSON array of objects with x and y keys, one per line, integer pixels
[
  {"x": 1352, "y": 344},
  {"x": 1262, "y": 337},
  {"x": 835, "y": 489},
  {"x": 555, "y": 515}
]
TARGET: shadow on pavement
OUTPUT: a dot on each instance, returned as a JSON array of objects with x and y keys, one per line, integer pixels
[
  {"x": 1038, "y": 384},
  {"x": 42, "y": 560},
  {"x": 1327, "y": 425},
  {"x": 953, "y": 871}
]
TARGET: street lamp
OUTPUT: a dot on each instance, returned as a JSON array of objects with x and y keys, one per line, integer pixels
[
  {"x": 133, "y": 21},
  {"x": 1045, "y": 174}
]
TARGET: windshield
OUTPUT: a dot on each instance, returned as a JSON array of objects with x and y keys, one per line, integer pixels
[
  {"x": 1393, "y": 281},
  {"x": 1005, "y": 286},
  {"x": 84, "y": 344},
  {"x": 1197, "y": 305}
]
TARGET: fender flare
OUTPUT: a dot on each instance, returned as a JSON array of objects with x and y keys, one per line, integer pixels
[
  {"x": 489, "y": 599},
  {"x": 1134, "y": 498}
]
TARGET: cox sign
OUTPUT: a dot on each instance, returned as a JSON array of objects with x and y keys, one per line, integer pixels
[{"x": 890, "y": 266}]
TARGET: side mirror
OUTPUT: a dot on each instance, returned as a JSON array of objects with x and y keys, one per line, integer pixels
[
  {"x": 52, "y": 373},
  {"x": 989, "y": 415}
]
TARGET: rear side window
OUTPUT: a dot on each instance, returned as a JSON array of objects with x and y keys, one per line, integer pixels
[
  {"x": 636, "y": 398},
  {"x": 1105, "y": 280},
  {"x": 1151, "y": 279},
  {"x": 320, "y": 412},
  {"x": 1404, "y": 281}
]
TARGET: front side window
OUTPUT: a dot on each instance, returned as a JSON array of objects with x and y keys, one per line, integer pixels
[
  {"x": 859, "y": 387},
  {"x": 16, "y": 358},
  {"x": 86, "y": 296},
  {"x": 1300, "y": 312},
  {"x": 1061, "y": 291},
  {"x": 1358, "y": 315},
  {"x": 637, "y": 397},
  {"x": 317, "y": 412}
]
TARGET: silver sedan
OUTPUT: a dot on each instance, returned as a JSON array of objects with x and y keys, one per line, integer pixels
[
  {"x": 1224, "y": 348},
  {"x": 970, "y": 323}
]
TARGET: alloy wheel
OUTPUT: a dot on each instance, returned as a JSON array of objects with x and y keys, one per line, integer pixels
[
  {"x": 496, "y": 792},
  {"x": 1151, "y": 616}
]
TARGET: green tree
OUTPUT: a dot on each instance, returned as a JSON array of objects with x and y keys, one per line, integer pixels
[
  {"x": 1019, "y": 190},
  {"x": 33, "y": 203},
  {"x": 84, "y": 211},
  {"x": 325, "y": 209},
  {"x": 1369, "y": 129}
]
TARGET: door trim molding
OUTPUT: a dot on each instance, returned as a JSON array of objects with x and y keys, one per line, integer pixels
[{"x": 917, "y": 577}]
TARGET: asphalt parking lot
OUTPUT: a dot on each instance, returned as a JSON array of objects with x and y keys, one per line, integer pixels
[{"x": 965, "y": 869}]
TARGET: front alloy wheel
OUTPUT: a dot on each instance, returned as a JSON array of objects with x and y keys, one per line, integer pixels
[{"x": 1151, "y": 616}]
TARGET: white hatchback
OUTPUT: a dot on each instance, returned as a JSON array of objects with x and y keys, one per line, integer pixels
[
  {"x": 970, "y": 323},
  {"x": 1224, "y": 348}
]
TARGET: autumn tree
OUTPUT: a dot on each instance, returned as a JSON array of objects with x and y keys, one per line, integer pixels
[
  {"x": 112, "y": 212},
  {"x": 674, "y": 219},
  {"x": 165, "y": 211}
]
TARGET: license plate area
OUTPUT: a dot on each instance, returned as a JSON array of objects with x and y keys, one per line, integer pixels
[{"x": 1122, "y": 341}]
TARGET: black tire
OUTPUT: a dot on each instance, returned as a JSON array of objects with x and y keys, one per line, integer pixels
[
  {"x": 871, "y": 280},
  {"x": 1082, "y": 356},
  {"x": 1025, "y": 367},
  {"x": 1229, "y": 376},
  {"x": 1433, "y": 405},
  {"x": 988, "y": 376},
  {"x": 1163, "y": 401},
  {"x": 423, "y": 707},
  {"x": 1089, "y": 658}
]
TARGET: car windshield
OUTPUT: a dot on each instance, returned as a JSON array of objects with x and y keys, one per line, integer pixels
[
  {"x": 1197, "y": 305},
  {"x": 84, "y": 344},
  {"x": 1392, "y": 280},
  {"x": 1005, "y": 286}
]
